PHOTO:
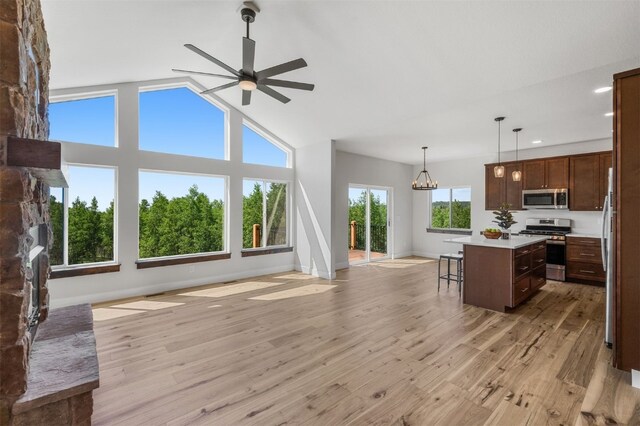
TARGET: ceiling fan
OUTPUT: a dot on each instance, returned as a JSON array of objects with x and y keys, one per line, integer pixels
[{"x": 247, "y": 78}]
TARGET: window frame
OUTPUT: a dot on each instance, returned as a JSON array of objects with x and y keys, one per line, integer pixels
[
  {"x": 92, "y": 95},
  {"x": 269, "y": 138},
  {"x": 196, "y": 91},
  {"x": 65, "y": 224},
  {"x": 431, "y": 228},
  {"x": 288, "y": 204},
  {"x": 225, "y": 222}
]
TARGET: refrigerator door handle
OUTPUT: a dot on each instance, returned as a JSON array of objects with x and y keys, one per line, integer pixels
[{"x": 603, "y": 237}]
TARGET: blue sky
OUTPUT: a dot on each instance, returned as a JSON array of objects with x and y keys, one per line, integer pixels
[
  {"x": 442, "y": 194},
  {"x": 175, "y": 121}
]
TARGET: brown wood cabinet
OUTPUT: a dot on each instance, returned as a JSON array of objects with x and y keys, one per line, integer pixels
[
  {"x": 584, "y": 260},
  {"x": 502, "y": 190},
  {"x": 588, "y": 181},
  {"x": 626, "y": 166},
  {"x": 500, "y": 278},
  {"x": 546, "y": 173}
]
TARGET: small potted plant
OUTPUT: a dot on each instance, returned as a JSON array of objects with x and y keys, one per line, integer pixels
[{"x": 504, "y": 219}]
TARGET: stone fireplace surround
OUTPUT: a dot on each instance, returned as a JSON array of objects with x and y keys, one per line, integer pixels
[{"x": 35, "y": 384}]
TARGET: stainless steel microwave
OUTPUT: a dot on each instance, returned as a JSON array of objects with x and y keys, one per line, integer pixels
[{"x": 545, "y": 198}]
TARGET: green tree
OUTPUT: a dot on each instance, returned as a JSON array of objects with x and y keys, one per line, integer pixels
[
  {"x": 56, "y": 212},
  {"x": 276, "y": 229},
  {"x": 251, "y": 214}
]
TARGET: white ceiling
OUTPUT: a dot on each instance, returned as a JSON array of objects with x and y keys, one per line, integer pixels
[{"x": 391, "y": 76}]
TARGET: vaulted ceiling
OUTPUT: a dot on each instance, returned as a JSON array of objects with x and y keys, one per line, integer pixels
[{"x": 391, "y": 76}]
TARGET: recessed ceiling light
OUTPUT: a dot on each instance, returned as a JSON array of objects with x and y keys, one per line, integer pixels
[
  {"x": 609, "y": 114},
  {"x": 602, "y": 89},
  {"x": 538, "y": 141}
]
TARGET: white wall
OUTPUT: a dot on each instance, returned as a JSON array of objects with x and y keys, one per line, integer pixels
[
  {"x": 314, "y": 209},
  {"x": 470, "y": 172},
  {"x": 131, "y": 281},
  {"x": 357, "y": 169}
]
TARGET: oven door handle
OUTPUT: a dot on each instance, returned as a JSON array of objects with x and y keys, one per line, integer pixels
[{"x": 556, "y": 242}]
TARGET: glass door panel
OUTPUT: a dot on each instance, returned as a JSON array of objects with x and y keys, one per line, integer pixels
[
  {"x": 357, "y": 225},
  {"x": 378, "y": 221}
]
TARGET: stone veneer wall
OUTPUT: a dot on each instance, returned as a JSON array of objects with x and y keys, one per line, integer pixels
[{"x": 24, "y": 79}]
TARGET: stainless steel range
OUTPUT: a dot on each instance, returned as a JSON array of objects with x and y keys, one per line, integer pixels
[{"x": 556, "y": 230}]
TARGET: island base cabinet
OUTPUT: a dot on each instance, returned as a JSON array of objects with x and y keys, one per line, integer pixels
[{"x": 501, "y": 278}]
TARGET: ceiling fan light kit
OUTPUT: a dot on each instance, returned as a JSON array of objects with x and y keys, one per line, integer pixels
[
  {"x": 423, "y": 181},
  {"x": 247, "y": 78}
]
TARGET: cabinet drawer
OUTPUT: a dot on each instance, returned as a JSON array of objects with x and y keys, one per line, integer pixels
[
  {"x": 538, "y": 277},
  {"x": 523, "y": 250},
  {"x": 538, "y": 258},
  {"x": 521, "y": 289},
  {"x": 522, "y": 265},
  {"x": 582, "y": 253},
  {"x": 586, "y": 271},
  {"x": 583, "y": 241},
  {"x": 539, "y": 246}
]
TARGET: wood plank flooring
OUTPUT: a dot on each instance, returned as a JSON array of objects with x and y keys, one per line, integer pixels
[{"x": 381, "y": 347}]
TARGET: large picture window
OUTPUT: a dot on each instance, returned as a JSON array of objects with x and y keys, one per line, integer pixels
[
  {"x": 180, "y": 214},
  {"x": 257, "y": 149},
  {"x": 82, "y": 217},
  {"x": 179, "y": 121},
  {"x": 264, "y": 214},
  {"x": 90, "y": 121},
  {"x": 451, "y": 208}
]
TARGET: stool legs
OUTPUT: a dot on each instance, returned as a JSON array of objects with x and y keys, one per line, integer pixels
[{"x": 439, "y": 263}]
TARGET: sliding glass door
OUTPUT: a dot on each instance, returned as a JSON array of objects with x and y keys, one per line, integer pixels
[{"x": 368, "y": 223}]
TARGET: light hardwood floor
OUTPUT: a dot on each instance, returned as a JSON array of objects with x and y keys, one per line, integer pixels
[{"x": 382, "y": 346}]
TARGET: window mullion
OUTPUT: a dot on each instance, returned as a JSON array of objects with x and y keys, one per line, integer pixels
[
  {"x": 264, "y": 214},
  {"x": 450, "y": 209},
  {"x": 65, "y": 226}
]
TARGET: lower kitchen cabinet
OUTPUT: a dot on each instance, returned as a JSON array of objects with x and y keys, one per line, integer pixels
[{"x": 584, "y": 260}]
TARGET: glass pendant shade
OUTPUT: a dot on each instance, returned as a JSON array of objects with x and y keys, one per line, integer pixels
[
  {"x": 516, "y": 175},
  {"x": 498, "y": 171},
  {"x": 423, "y": 181}
]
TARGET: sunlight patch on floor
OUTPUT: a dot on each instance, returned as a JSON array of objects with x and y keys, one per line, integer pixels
[
  {"x": 294, "y": 277},
  {"x": 409, "y": 261},
  {"x": 103, "y": 314},
  {"x": 215, "y": 306},
  {"x": 392, "y": 265},
  {"x": 149, "y": 305},
  {"x": 229, "y": 290},
  {"x": 295, "y": 292}
]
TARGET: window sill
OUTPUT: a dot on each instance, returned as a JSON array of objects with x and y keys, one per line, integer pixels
[
  {"x": 266, "y": 250},
  {"x": 169, "y": 261},
  {"x": 84, "y": 270},
  {"x": 450, "y": 231}
]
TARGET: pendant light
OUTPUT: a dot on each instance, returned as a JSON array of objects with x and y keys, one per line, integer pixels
[
  {"x": 423, "y": 181},
  {"x": 516, "y": 175},
  {"x": 498, "y": 171}
]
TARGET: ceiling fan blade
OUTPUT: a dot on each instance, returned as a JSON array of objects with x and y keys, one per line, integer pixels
[
  {"x": 246, "y": 97},
  {"x": 248, "y": 55},
  {"x": 205, "y": 73},
  {"x": 212, "y": 59},
  {"x": 215, "y": 89},
  {"x": 282, "y": 68},
  {"x": 269, "y": 91},
  {"x": 285, "y": 83}
]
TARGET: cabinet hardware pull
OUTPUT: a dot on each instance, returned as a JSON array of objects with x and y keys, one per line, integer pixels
[
  {"x": 587, "y": 254},
  {"x": 587, "y": 272},
  {"x": 540, "y": 260},
  {"x": 524, "y": 290},
  {"x": 524, "y": 268},
  {"x": 525, "y": 252}
]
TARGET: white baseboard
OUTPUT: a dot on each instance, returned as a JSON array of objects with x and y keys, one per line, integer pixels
[
  {"x": 342, "y": 265},
  {"x": 162, "y": 287},
  {"x": 402, "y": 254},
  {"x": 315, "y": 272},
  {"x": 426, "y": 254},
  {"x": 635, "y": 378}
]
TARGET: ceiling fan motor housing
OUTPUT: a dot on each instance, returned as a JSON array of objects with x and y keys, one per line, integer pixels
[{"x": 248, "y": 15}]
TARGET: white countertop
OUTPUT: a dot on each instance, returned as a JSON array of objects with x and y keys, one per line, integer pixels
[
  {"x": 584, "y": 235},
  {"x": 512, "y": 243}
]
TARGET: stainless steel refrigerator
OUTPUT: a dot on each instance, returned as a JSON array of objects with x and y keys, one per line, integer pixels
[{"x": 607, "y": 258}]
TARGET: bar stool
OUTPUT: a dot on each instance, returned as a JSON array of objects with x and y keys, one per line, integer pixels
[{"x": 449, "y": 257}]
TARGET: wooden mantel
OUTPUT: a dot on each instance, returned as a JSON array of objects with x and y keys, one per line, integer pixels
[{"x": 43, "y": 158}]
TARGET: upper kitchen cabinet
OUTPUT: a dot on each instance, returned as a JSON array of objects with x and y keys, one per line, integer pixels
[
  {"x": 588, "y": 181},
  {"x": 502, "y": 190},
  {"x": 546, "y": 173}
]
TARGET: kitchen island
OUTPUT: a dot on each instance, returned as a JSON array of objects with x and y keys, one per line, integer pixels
[{"x": 501, "y": 274}]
